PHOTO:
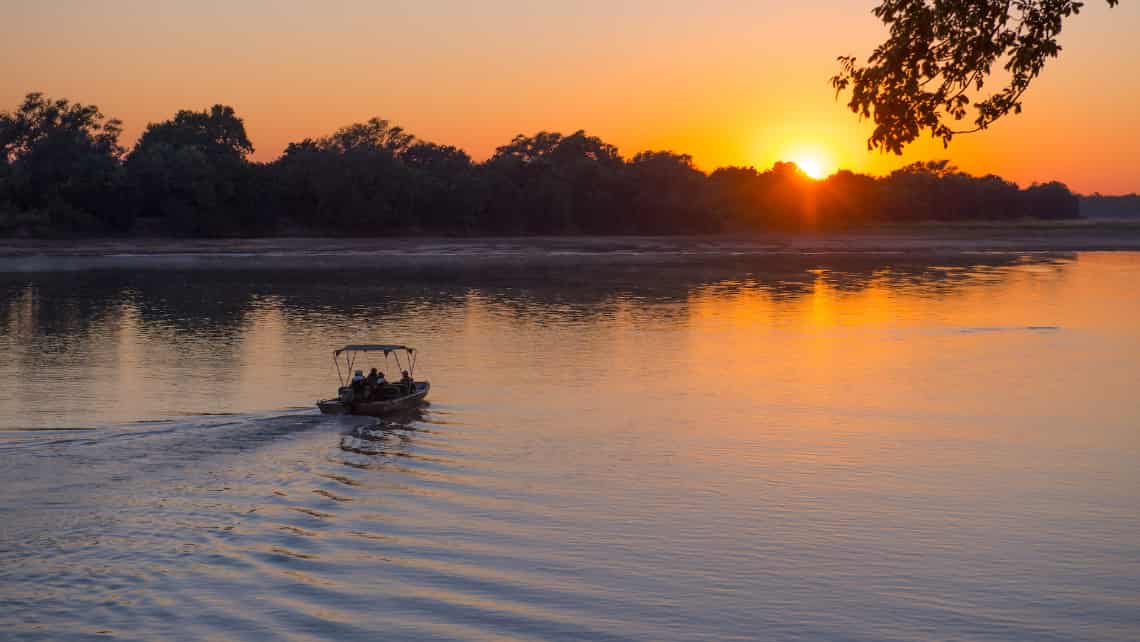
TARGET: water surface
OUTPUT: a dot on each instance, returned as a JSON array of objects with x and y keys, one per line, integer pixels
[{"x": 824, "y": 447}]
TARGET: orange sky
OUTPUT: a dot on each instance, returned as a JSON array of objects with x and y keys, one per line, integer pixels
[{"x": 729, "y": 82}]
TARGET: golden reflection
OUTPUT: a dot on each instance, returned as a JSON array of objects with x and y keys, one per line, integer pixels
[
  {"x": 890, "y": 347},
  {"x": 865, "y": 338}
]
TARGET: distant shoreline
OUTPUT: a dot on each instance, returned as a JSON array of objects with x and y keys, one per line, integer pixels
[{"x": 34, "y": 255}]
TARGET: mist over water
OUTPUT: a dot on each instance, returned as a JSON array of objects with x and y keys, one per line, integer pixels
[{"x": 826, "y": 447}]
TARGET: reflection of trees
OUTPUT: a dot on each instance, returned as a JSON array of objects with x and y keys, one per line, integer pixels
[
  {"x": 54, "y": 306},
  {"x": 189, "y": 305},
  {"x": 60, "y": 326},
  {"x": 109, "y": 329},
  {"x": 47, "y": 311}
]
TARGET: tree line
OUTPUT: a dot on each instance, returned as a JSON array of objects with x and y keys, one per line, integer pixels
[
  {"x": 64, "y": 172},
  {"x": 1122, "y": 207}
]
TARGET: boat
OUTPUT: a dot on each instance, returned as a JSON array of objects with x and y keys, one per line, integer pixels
[{"x": 384, "y": 400}]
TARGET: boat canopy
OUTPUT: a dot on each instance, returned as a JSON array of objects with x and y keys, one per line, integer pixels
[
  {"x": 381, "y": 347},
  {"x": 350, "y": 350}
]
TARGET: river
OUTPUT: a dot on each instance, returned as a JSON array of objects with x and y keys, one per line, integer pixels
[{"x": 831, "y": 446}]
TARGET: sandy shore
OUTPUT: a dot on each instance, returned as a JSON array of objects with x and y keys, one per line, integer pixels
[{"x": 18, "y": 255}]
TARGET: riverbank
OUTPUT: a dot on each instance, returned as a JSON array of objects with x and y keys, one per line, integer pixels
[{"x": 19, "y": 255}]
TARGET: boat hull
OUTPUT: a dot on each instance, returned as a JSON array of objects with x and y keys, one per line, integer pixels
[{"x": 376, "y": 408}]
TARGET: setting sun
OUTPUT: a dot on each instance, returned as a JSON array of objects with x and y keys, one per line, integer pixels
[
  {"x": 813, "y": 161},
  {"x": 811, "y": 166}
]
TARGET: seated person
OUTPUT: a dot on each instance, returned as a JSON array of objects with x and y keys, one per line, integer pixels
[
  {"x": 407, "y": 383},
  {"x": 358, "y": 384}
]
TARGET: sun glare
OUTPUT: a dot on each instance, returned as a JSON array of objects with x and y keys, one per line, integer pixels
[
  {"x": 813, "y": 160},
  {"x": 811, "y": 166}
]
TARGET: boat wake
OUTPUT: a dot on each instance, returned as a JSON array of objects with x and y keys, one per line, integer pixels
[
  {"x": 176, "y": 442},
  {"x": 354, "y": 527}
]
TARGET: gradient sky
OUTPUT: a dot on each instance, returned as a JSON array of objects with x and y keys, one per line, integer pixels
[{"x": 742, "y": 83}]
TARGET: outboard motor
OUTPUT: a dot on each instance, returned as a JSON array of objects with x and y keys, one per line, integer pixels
[{"x": 346, "y": 394}]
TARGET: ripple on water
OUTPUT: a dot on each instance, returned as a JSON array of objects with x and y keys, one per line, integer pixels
[{"x": 900, "y": 449}]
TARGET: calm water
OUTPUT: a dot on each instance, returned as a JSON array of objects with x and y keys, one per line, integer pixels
[{"x": 775, "y": 448}]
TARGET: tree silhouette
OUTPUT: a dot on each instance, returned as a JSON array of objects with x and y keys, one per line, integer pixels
[
  {"x": 352, "y": 181},
  {"x": 939, "y": 54},
  {"x": 190, "y": 173},
  {"x": 374, "y": 136},
  {"x": 216, "y": 131},
  {"x": 62, "y": 173},
  {"x": 59, "y": 166}
]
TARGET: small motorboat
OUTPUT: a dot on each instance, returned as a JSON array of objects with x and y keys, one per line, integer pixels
[{"x": 375, "y": 400}]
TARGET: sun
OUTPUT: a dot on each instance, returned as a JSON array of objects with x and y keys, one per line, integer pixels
[
  {"x": 811, "y": 165},
  {"x": 813, "y": 159}
]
